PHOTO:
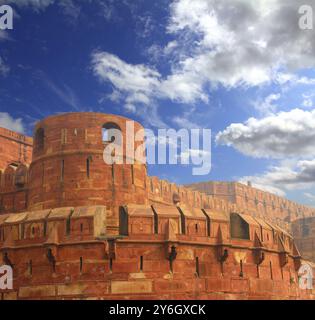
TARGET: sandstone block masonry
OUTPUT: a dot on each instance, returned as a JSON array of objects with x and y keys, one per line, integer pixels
[
  {"x": 15, "y": 149},
  {"x": 72, "y": 226},
  {"x": 254, "y": 201}
]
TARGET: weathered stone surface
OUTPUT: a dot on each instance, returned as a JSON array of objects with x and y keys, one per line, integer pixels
[
  {"x": 123, "y": 287},
  {"x": 77, "y": 228},
  {"x": 37, "y": 291}
]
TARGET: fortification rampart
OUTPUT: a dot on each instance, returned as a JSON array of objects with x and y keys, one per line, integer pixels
[
  {"x": 162, "y": 252},
  {"x": 73, "y": 226},
  {"x": 260, "y": 203}
]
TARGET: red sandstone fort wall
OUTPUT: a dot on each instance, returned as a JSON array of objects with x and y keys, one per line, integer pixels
[
  {"x": 255, "y": 201},
  {"x": 91, "y": 230},
  {"x": 65, "y": 254},
  {"x": 304, "y": 234},
  {"x": 15, "y": 148},
  {"x": 16, "y": 156}
]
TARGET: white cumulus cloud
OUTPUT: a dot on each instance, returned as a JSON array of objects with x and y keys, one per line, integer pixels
[
  {"x": 281, "y": 135},
  {"x": 8, "y": 122}
]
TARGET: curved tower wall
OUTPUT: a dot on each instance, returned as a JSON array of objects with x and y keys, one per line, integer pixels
[{"x": 68, "y": 168}]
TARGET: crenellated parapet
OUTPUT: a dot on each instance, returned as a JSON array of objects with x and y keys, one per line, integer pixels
[
  {"x": 74, "y": 226},
  {"x": 162, "y": 191},
  {"x": 67, "y": 253},
  {"x": 15, "y": 148},
  {"x": 13, "y": 188},
  {"x": 258, "y": 202}
]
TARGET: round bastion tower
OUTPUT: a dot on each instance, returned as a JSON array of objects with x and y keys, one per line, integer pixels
[{"x": 68, "y": 167}]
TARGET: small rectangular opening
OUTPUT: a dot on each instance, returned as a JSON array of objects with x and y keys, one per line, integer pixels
[
  {"x": 111, "y": 264},
  {"x": 141, "y": 263},
  {"x": 208, "y": 222},
  {"x": 68, "y": 224},
  {"x": 197, "y": 267},
  {"x": 22, "y": 230},
  {"x": 123, "y": 221},
  {"x": 88, "y": 168},
  {"x": 62, "y": 170},
  {"x": 81, "y": 264},
  {"x": 155, "y": 221},
  {"x": 182, "y": 220},
  {"x": 132, "y": 175}
]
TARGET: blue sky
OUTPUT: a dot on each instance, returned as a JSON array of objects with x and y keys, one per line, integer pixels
[{"x": 243, "y": 69}]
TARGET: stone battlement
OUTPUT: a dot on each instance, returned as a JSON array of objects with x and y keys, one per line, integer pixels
[
  {"x": 15, "y": 148},
  {"x": 72, "y": 226},
  {"x": 258, "y": 202},
  {"x": 161, "y": 251}
]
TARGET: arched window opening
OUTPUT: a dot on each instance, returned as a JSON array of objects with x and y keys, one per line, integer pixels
[
  {"x": 88, "y": 166},
  {"x": 39, "y": 142},
  {"x": 109, "y": 132},
  {"x": 123, "y": 221},
  {"x": 239, "y": 228}
]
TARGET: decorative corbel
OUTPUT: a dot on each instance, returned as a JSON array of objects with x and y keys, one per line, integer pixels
[
  {"x": 222, "y": 249},
  {"x": 297, "y": 258},
  {"x": 51, "y": 256},
  {"x": 172, "y": 253},
  {"x": 222, "y": 253},
  {"x": 283, "y": 254},
  {"x": 284, "y": 259},
  {"x": 171, "y": 241},
  {"x": 110, "y": 248},
  {"x": 259, "y": 254},
  {"x": 6, "y": 259}
]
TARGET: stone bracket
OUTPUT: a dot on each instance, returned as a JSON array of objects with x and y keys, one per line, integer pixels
[
  {"x": 51, "y": 254},
  {"x": 284, "y": 259},
  {"x": 171, "y": 251},
  {"x": 110, "y": 248},
  {"x": 259, "y": 255},
  {"x": 6, "y": 259},
  {"x": 222, "y": 253}
]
